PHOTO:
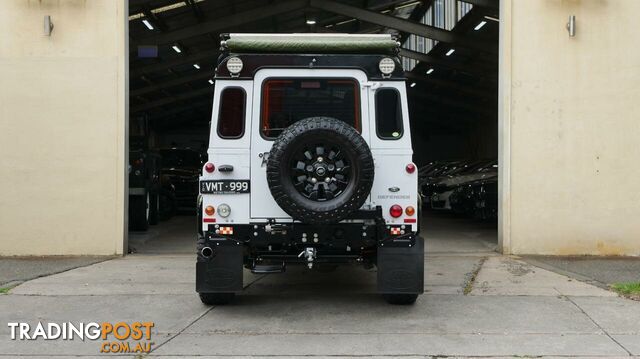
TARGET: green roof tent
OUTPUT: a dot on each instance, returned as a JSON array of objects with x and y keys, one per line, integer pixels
[{"x": 311, "y": 43}]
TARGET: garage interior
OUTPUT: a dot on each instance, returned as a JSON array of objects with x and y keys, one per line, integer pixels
[{"x": 450, "y": 58}]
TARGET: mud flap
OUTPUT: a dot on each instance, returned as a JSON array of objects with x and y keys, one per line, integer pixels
[
  {"x": 222, "y": 271},
  {"x": 401, "y": 267}
]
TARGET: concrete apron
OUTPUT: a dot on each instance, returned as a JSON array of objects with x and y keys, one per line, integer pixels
[{"x": 512, "y": 309}]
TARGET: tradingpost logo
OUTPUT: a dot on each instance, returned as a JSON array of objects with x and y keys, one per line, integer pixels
[{"x": 120, "y": 337}]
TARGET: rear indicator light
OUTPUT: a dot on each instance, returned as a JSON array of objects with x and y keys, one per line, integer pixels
[
  {"x": 395, "y": 211},
  {"x": 410, "y": 211},
  {"x": 209, "y": 167},
  {"x": 209, "y": 210},
  {"x": 410, "y": 168}
]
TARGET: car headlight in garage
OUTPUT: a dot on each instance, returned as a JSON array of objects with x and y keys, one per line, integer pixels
[{"x": 224, "y": 210}]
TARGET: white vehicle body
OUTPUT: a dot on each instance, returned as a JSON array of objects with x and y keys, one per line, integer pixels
[
  {"x": 309, "y": 163},
  {"x": 392, "y": 184}
]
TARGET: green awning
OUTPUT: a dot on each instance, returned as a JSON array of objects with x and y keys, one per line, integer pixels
[{"x": 311, "y": 43}]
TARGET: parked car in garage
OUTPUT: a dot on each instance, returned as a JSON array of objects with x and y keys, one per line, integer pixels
[
  {"x": 463, "y": 173},
  {"x": 478, "y": 199},
  {"x": 144, "y": 186},
  {"x": 180, "y": 172},
  {"x": 465, "y": 187}
]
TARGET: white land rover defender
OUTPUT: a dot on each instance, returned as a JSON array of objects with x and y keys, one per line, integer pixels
[{"x": 310, "y": 163}]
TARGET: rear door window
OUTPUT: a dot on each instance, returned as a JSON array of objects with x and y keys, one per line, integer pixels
[
  {"x": 286, "y": 100},
  {"x": 231, "y": 117},
  {"x": 388, "y": 114}
]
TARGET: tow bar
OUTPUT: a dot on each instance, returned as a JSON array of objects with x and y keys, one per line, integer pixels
[{"x": 310, "y": 254}]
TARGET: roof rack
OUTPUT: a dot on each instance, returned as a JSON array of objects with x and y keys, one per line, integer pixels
[{"x": 310, "y": 43}]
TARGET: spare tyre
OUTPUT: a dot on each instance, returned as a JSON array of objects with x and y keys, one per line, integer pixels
[{"x": 320, "y": 170}]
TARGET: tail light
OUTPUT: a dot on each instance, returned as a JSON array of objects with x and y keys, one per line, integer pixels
[
  {"x": 410, "y": 211},
  {"x": 209, "y": 167},
  {"x": 209, "y": 210},
  {"x": 410, "y": 168},
  {"x": 395, "y": 211}
]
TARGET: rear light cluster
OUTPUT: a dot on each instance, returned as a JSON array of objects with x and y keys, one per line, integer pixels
[
  {"x": 396, "y": 211},
  {"x": 410, "y": 211},
  {"x": 209, "y": 167},
  {"x": 209, "y": 211},
  {"x": 224, "y": 210}
]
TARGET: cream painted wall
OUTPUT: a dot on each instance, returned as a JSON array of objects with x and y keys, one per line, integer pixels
[
  {"x": 63, "y": 116},
  {"x": 570, "y": 127}
]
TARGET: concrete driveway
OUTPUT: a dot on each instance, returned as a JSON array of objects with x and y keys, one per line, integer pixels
[{"x": 476, "y": 303}]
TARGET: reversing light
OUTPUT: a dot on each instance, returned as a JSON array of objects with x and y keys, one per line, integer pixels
[
  {"x": 410, "y": 211},
  {"x": 209, "y": 210},
  {"x": 395, "y": 211},
  {"x": 224, "y": 210},
  {"x": 209, "y": 167},
  {"x": 234, "y": 65},
  {"x": 386, "y": 66},
  {"x": 410, "y": 168}
]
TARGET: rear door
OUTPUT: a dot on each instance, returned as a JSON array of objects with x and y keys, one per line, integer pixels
[
  {"x": 266, "y": 120},
  {"x": 229, "y": 146},
  {"x": 390, "y": 144}
]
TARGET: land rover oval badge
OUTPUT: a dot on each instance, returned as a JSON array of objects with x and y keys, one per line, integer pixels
[{"x": 394, "y": 189}]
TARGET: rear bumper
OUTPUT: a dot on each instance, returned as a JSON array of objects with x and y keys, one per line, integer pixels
[{"x": 223, "y": 249}]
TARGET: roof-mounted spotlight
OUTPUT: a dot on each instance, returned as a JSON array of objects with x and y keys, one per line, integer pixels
[
  {"x": 234, "y": 65},
  {"x": 386, "y": 66}
]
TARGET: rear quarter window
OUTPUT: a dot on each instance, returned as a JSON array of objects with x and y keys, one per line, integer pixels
[
  {"x": 231, "y": 115},
  {"x": 388, "y": 114}
]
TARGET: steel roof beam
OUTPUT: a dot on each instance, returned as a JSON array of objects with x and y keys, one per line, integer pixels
[
  {"x": 226, "y": 22},
  {"x": 494, "y": 4},
  {"x": 489, "y": 94},
  {"x": 393, "y": 22},
  {"x": 438, "y": 62},
  {"x": 181, "y": 60}
]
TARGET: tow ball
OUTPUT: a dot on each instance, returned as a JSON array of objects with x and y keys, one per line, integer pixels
[{"x": 310, "y": 254}]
